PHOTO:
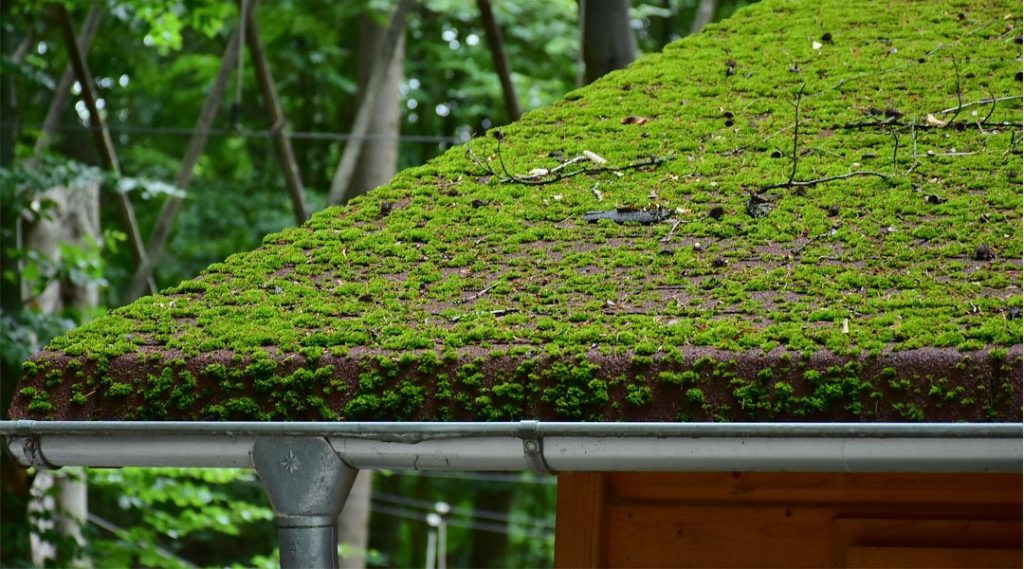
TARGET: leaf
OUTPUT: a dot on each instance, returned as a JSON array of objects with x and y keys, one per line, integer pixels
[
  {"x": 932, "y": 121},
  {"x": 595, "y": 158},
  {"x": 633, "y": 119}
]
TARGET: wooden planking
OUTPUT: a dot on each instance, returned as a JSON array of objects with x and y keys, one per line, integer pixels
[
  {"x": 909, "y": 533},
  {"x": 580, "y": 520},
  {"x": 771, "y": 519},
  {"x": 934, "y": 558},
  {"x": 675, "y": 535},
  {"x": 805, "y": 487}
]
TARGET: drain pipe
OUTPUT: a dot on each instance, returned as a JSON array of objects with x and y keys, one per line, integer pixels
[
  {"x": 308, "y": 485},
  {"x": 308, "y": 468}
]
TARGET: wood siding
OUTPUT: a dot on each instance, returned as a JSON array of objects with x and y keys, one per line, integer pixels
[{"x": 792, "y": 520}]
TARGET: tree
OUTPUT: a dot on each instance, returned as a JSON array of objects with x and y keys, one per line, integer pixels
[
  {"x": 64, "y": 238},
  {"x": 606, "y": 37},
  {"x": 378, "y": 161},
  {"x": 705, "y": 14}
]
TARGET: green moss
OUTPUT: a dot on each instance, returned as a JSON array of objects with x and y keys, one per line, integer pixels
[
  {"x": 909, "y": 411},
  {"x": 696, "y": 396},
  {"x": 40, "y": 406},
  {"x": 29, "y": 368},
  {"x": 638, "y": 395},
  {"x": 216, "y": 371},
  {"x": 119, "y": 390},
  {"x": 858, "y": 268},
  {"x": 54, "y": 378}
]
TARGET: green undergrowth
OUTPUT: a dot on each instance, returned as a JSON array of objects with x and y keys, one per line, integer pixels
[{"x": 449, "y": 260}]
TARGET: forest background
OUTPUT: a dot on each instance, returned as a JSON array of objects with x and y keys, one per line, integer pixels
[{"x": 68, "y": 255}]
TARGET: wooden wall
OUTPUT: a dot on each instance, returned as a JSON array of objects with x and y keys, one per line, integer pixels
[{"x": 791, "y": 520}]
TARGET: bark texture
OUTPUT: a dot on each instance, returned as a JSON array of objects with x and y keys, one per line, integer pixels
[{"x": 607, "y": 40}]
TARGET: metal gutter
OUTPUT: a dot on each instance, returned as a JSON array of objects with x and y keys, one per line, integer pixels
[
  {"x": 538, "y": 445},
  {"x": 308, "y": 469}
]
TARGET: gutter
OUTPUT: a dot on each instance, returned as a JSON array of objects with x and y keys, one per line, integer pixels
[
  {"x": 537, "y": 445},
  {"x": 308, "y": 469}
]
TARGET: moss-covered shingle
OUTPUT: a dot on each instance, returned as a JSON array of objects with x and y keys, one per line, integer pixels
[{"x": 892, "y": 292}]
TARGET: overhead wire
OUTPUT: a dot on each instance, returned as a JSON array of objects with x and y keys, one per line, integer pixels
[
  {"x": 455, "y": 522},
  {"x": 259, "y": 133},
  {"x": 456, "y": 510},
  {"x": 123, "y": 535}
]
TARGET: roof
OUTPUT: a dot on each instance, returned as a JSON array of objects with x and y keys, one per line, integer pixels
[{"x": 879, "y": 280}]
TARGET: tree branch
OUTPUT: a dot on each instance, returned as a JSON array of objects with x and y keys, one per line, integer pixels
[
  {"x": 104, "y": 143},
  {"x": 282, "y": 143},
  {"x": 63, "y": 89}
]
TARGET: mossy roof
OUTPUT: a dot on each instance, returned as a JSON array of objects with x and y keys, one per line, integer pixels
[{"x": 452, "y": 294}]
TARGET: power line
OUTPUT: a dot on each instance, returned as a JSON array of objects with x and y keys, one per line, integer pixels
[
  {"x": 481, "y": 526},
  {"x": 122, "y": 535},
  {"x": 246, "y": 133},
  {"x": 469, "y": 512}
]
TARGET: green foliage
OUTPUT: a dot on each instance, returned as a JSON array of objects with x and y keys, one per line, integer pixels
[{"x": 206, "y": 516}]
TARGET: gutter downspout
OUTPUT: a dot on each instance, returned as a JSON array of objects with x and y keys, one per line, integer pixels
[{"x": 308, "y": 468}]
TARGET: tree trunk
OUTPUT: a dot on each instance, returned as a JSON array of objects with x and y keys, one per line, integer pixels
[
  {"x": 490, "y": 549},
  {"x": 8, "y": 102},
  {"x": 705, "y": 15},
  {"x": 354, "y": 522},
  {"x": 390, "y": 42},
  {"x": 378, "y": 161},
  {"x": 606, "y": 38},
  {"x": 663, "y": 27},
  {"x": 77, "y": 220},
  {"x": 501, "y": 67}
]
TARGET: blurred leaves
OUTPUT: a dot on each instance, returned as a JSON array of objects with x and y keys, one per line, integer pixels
[{"x": 181, "y": 510}]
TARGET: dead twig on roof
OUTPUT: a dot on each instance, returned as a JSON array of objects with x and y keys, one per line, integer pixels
[
  {"x": 987, "y": 101},
  {"x": 982, "y": 27},
  {"x": 959, "y": 92},
  {"x": 913, "y": 139},
  {"x": 668, "y": 236},
  {"x": 991, "y": 110},
  {"x": 545, "y": 176},
  {"x": 796, "y": 130},
  {"x": 490, "y": 171},
  {"x": 482, "y": 291},
  {"x": 816, "y": 181},
  {"x": 792, "y": 182},
  {"x": 895, "y": 148}
]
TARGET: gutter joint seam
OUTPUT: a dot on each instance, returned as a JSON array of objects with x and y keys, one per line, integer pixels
[{"x": 533, "y": 447}]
